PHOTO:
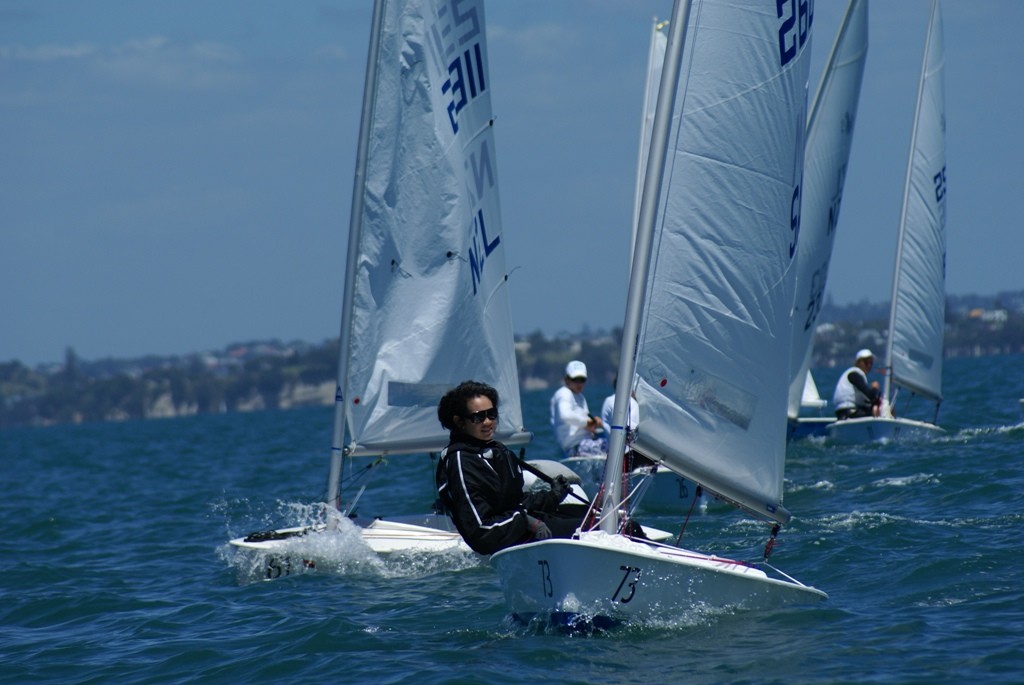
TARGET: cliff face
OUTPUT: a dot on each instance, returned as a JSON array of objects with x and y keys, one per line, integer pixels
[
  {"x": 124, "y": 399},
  {"x": 305, "y": 395},
  {"x": 290, "y": 396}
]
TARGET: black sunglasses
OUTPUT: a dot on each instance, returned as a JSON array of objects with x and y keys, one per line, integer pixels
[
  {"x": 580, "y": 379},
  {"x": 479, "y": 416}
]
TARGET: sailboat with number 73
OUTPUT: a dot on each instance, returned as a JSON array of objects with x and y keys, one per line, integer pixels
[{"x": 708, "y": 320}]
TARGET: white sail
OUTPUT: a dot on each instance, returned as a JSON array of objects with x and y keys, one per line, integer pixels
[
  {"x": 710, "y": 361},
  {"x": 809, "y": 396},
  {"x": 425, "y": 303},
  {"x": 829, "y": 139},
  {"x": 428, "y": 289},
  {"x": 919, "y": 283}
]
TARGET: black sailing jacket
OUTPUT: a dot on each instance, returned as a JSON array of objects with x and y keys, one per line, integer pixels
[{"x": 481, "y": 487}]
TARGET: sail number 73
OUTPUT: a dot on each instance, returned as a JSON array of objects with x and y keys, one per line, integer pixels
[
  {"x": 623, "y": 594},
  {"x": 627, "y": 586}
]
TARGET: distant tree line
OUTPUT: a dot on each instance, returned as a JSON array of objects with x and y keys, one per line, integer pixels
[
  {"x": 273, "y": 375},
  {"x": 155, "y": 387}
]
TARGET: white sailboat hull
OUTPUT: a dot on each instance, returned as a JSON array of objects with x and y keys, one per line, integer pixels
[
  {"x": 630, "y": 581},
  {"x": 289, "y": 551},
  {"x": 878, "y": 429},
  {"x": 381, "y": 536},
  {"x": 808, "y": 427}
]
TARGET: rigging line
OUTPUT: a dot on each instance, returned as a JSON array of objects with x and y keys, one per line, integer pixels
[
  {"x": 771, "y": 541},
  {"x": 588, "y": 521},
  {"x": 604, "y": 515},
  {"x": 697, "y": 492},
  {"x": 356, "y": 476},
  {"x": 783, "y": 574},
  {"x": 646, "y": 478},
  {"x": 642, "y": 482},
  {"x": 494, "y": 291}
]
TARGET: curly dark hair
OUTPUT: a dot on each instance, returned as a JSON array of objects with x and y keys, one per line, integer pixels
[{"x": 455, "y": 400}]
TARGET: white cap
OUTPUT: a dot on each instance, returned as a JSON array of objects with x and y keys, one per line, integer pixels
[
  {"x": 865, "y": 354},
  {"x": 575, "y": 369}
]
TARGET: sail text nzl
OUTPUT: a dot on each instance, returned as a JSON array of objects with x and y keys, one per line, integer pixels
[{"x": 481, "y": 172}]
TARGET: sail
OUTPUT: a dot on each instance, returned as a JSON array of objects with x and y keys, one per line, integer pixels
[
  {"x": 712, "y": 372},
  {"x": 427, "y": 287},
  {"x": 829, "y": 139},
  {"x": 919, "y": 284},
  {"x": 809, "y": 396}
]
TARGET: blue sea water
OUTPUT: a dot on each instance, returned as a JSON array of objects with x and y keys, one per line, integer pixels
[{"x": 115, "y": 567}]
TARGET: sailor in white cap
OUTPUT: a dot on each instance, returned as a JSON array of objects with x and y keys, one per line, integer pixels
[
  {"x": 570, "y": 418},
  {"x": 854, "y": 397}
]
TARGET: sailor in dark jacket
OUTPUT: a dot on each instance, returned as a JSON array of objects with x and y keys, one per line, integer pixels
[{"x": 480, "y": 482}]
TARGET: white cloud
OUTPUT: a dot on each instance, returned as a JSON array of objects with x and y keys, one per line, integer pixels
[
  {"x": 159, "y": 62},
  {"x": 153, "y": 62},
  {"x": 46, "y": 53}
]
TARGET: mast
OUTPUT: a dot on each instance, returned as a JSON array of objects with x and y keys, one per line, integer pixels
[
  {"x": 641, "y": 258},
  {"x": 655, "y": 60},
  {"x": 351, "y": 262},
  {"x": 887, "y": 387}
]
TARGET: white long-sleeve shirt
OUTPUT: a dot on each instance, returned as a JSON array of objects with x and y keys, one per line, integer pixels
[
  {"x": 632, "y": 419},
  {"x": 569, "y": 416}
]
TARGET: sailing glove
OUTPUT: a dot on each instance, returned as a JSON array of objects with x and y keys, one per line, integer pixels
[
  {"x": 560, "y": 486},
  {"x": 539, "y": 529}
]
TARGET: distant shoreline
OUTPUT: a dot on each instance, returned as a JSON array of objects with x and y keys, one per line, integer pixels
[{"x": 260, "y": 375}]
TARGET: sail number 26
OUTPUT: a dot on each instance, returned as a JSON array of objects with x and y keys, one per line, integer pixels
[{"x": 795, "y": 29}]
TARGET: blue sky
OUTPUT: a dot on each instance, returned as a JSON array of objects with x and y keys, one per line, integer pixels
[{"x": 176, "y": 175}]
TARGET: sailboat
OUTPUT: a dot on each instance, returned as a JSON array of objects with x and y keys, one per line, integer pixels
[
  {"x": 425, "y": 301},
  {"x": 830, "y": 127},
  {"x": 917, "y": 314},
  {"x": 707, "y": 326}
]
